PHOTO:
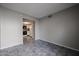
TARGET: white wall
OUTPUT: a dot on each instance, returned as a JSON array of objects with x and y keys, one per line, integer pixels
[
  {"x": 62, "y": 28},
  {"x": 11, "y": 27},
  {"x": 0, "y": 33}
]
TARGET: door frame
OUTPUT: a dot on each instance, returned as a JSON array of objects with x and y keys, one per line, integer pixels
[{"x": 33, "y": 23}]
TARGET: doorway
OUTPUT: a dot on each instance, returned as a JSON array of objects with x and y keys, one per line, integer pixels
[{"x": 28, "y": 31}]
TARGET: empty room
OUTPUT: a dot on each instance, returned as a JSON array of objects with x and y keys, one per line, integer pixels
[{"x": 39, "y": 29}]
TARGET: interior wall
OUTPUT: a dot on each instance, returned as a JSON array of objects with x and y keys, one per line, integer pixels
[
  {"x": 0, "y": 33},
  {"x": 62, "y": 28},
  {"x": 11, "y": 27}
]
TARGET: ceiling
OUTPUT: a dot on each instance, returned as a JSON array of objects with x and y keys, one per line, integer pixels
[{"x": 37, "y": 10}]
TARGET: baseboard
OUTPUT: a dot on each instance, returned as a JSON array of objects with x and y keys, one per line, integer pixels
[
  {"x": 62, "y": 45},
  {"x": 10, "y": 46}
]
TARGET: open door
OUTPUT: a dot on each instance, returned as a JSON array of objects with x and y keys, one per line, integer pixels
[{"x": 28, "y": 31}]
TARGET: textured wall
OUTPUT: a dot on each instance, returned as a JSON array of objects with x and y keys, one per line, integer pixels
[{"x": 62, "y": 28}]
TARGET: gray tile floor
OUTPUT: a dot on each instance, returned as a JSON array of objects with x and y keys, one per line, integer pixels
[{"x": 38, "y": 48}]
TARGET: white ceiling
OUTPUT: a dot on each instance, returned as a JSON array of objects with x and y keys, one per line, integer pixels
[{"x": 37, "y": 9}]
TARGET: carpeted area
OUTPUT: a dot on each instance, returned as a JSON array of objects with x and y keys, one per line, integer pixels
[{"x": 38, "y": 48}]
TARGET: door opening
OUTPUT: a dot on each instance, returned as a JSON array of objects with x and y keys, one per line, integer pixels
[{"x": 28, "y": 31}]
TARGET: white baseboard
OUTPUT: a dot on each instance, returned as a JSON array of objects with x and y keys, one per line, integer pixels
[
  {"x": 62, "y": 45},
  {"x": 10, "y": 46}
]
